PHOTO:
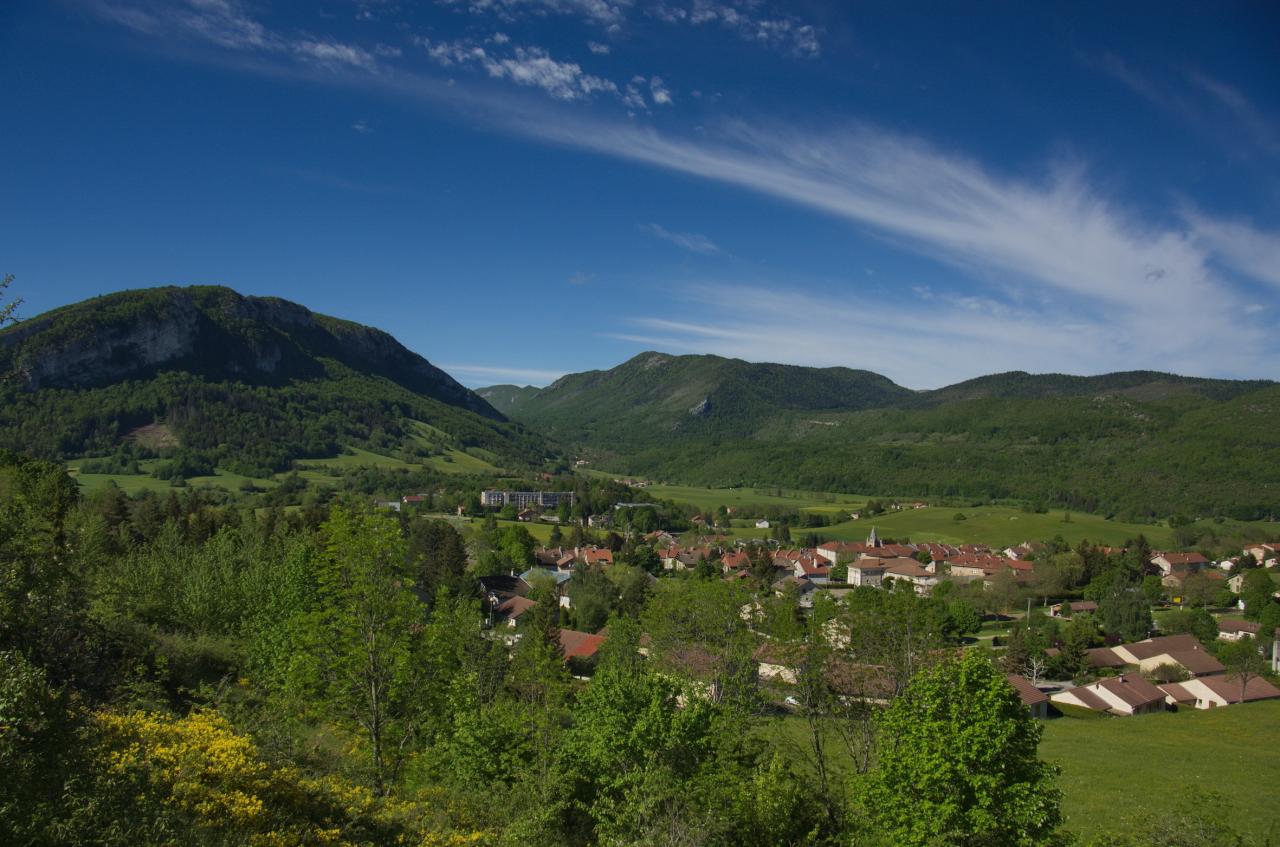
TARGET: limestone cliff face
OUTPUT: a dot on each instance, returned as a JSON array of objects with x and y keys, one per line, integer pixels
[
  {"x": 113, "y": 353},
  {"x": 216, "y": 333}
]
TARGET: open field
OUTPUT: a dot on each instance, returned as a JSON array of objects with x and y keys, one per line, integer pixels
[
  {"x": 456, "y": 461},
  {"x": 1116, "y": 770},
  {"x": 136, "y": 483},
  {"x": 540, "y": 531},
  {"x": 710, "y": 498},
  {"x": 990, "y": 524},
  {"x": 996, "y": 525},
  {"x": 357, "y": 458},
  {"x": 453, "y": 461},
  {"x": 1152, "y": 762}
]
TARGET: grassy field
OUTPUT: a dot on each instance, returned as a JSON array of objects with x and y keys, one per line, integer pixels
[
  {"x": 1114, "y": 771},
  {"x": 995, "y": 525},
  {"x": 456, "y": 461},
  {"x": 452, "y": 461},
  {"x": 710, "y": 498},
  {"x": 1149, "y": 763},
  {"x": 540, "y": 531},
  {"x": 357, "y": 458},
  {"x": 134, "y": 483}
]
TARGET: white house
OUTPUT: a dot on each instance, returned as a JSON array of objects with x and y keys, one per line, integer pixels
[
  {"x": 1130, "y": 694},
  {"x": 1212, "y": 691}
]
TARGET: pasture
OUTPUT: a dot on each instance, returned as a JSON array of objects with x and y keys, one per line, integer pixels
[{"x": 1116, "y": 770}]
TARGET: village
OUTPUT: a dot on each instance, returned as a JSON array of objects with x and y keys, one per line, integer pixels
[{"x": 1010, "y": 590}]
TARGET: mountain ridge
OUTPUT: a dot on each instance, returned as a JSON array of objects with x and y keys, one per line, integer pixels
[
  {"x": 1139, "y": 443},
  {"x": 263, "y": 340},
  {"x": 250, "y": 382}
]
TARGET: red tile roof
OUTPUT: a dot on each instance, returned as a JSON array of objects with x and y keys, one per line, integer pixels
[{"x": 574, "y": 644}]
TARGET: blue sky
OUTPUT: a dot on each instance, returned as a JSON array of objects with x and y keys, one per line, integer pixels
[{"x": 522, "y": 188}]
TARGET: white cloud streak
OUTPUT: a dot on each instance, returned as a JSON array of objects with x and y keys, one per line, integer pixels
[
  {"x": 598, "y": 12},
  {"x": 225, "y": 24},
  {"x": 526, "y": 66},
  {"x": 1069, "y": 278},
  {"x": 482, "y": 375},
  {"x": 1209, "y": 106},
  {"x": 784, "y": 33},
  {"x": 1240, "y": 246},
  {"x": 690, "y": 241}
]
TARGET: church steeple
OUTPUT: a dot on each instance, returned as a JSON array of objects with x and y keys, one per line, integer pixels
[{"x": 873, "y": 540}]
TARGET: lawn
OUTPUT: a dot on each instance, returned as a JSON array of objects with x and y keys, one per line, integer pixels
[{"x": 1150, "y": 763}]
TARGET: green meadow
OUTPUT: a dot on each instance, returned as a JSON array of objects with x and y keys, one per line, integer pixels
[
  {"x": 995, "y": 525},
  {"x": 1115, "y": 770},
  {"x": 998, "y": 526},
  {"x": 710, "y": 498},
  {"x": 136, "y": 483}
]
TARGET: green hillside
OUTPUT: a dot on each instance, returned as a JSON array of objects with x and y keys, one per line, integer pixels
[
  {"x": 1135, "y": 445},
  {"x": 654, "y": 397},
  {"x": 245, "y": 384},
  {"x": 508, "y": 399}
]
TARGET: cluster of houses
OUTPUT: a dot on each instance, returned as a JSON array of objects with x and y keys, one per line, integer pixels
[
  {"x": 1125, "y": 672},
  {"x": 1130, "y": 690},
  {"x": 872, "y": 562}
]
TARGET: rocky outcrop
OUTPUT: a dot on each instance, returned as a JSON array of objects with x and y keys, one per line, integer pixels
[
  {"x": 114, "y": 353},
  {"x": 216, "y": 333}
]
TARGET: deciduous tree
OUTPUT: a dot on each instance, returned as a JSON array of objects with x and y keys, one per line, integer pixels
[{"x": 958, "y": 762}]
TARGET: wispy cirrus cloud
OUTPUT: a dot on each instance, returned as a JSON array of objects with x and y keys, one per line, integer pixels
[
  {"x": 1206, "y": 104},
  {"x": 1239, "y": 245},
  {"x": 750, "y": 20},
  {"x": 481, "y": 375},
  {"x": 527, "y": 66},
  {"x": 920, "y": 343},
  {"x": 782, "y": 32},
  {"x": 691, "y": 241},
  {"x": 225, "y": 24},
  {"x": 599, "y": 12},
  {"x": 1056, "y": 273}
]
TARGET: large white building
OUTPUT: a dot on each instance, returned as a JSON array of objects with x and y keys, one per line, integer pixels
[{"x": 495, "y": 499}]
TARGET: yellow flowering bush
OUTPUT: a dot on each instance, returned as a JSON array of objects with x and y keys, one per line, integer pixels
[{"x": 207, "y": 783}]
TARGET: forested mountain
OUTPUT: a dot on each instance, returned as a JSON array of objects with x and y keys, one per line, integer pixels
[
  {"x": 251, "y": 382},
  {"x": 1138, "y": 444},
  {"x": 653, "y": 397},
  {"x": 508, "y": 398}
]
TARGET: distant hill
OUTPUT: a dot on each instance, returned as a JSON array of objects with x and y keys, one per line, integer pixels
[
  {"x": 1140, "y": 444},
  {"x": 1137, "y": 385},
  {"x": 508, "y": 398},
  {"x": 653, "y": 397},
  {"x": 252, "y": 381}
]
